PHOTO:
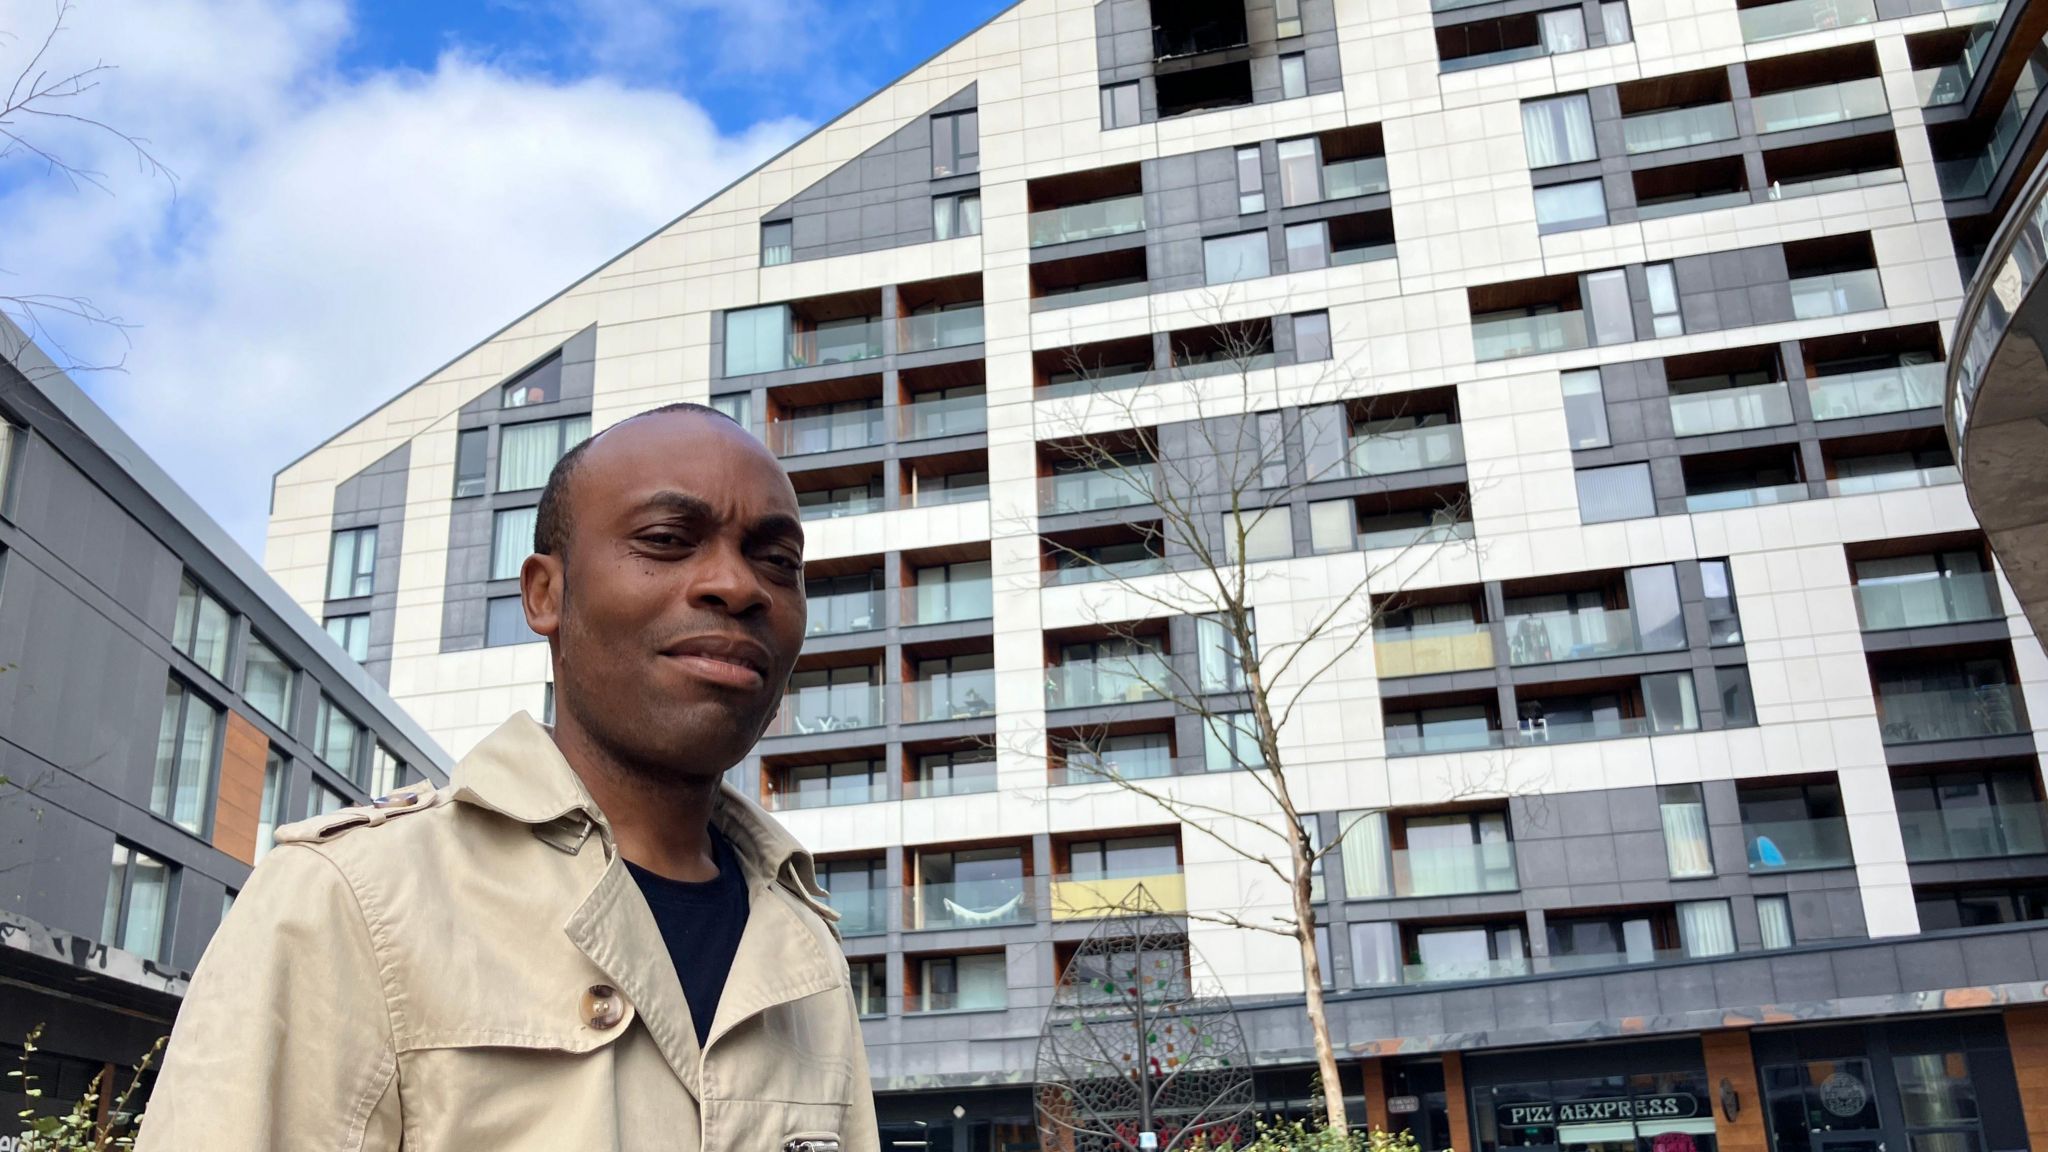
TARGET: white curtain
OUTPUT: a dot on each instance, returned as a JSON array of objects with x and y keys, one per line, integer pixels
[
  {"x": 1375, "y": 954},
  {"x": 1775, "y": 915},
  {"x": 1686, "y": 847},
  {"x": 1706, "y": 928},
  {"x": 1558, "y": 131},
  {"x": 149, "y": 883},
  {"x": 526, "y": 454},
  {"x": 1564, "y": 30},
  {"x": 1364, "y": 850},
  {"x": 512, "y": 541}
]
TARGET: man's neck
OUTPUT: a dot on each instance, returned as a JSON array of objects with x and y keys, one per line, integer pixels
[{"x": 661, "y": 825}]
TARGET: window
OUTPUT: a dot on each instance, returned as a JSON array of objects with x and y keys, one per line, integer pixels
[
  {"x": 1138, "y": 756},
  {"x": 1668, "y": 697},
  {"x": 138, "y": 903},
  {"x": 1268, "y": 534},
  {"x": 542, "y": 385},
  {"x": 1562, "y": 30},
  {"x": 527, "y": 453},
  {"x": 1272, "y": 451},
  {"x": 1558, "y": 130},
  {"x": 1375, "y": 954},
  {"x": 942, "y": 592},
  {"x": 820, "y": 785},
  {"x": 1332, "y": 526},
  {"x": 1774, "y": 916},
  {"x": 1585, "y": 409},
  {"x": 1363, "y": 848},
  {"x": 352, "y": 566},
  {"x": 1607, "y": 303},
  {"x": 1301, "y": 172},
  {"x": 387, "y": 771},
  {"x": 277, "y": 787},
  {"x": 1124, "y": 859},
  {"x": 1227, "y": 259},
  {"x": 1724, "y": 625},
  {"x": 870, "y": 986},
  {"x": 505, "y": 623},
  {"x": 1312, "y": 337},
  {"x": 738, "y": 407},
  {"x": 8, "y": 435},
  {"x": 511, "y": 541},
  {"x": 267, "y": 684},
  {"x": 956, "y": 144},
  {"x": 187, "y": 743},
  {"x": 1293, "y": 76},
  {"x": 334, "y": 738},
  {"x": 776, "y": 240},
  {"x": 956, "y": 773},
  {"x": 1308, "y": 246},
  {"x": 757, "y": 340},
  {"x": 1688, "y": 849},
  {"x": 472, "y": 462},
  {"x": 1230, "y": 740},
  {"x": 1664, "y": 317},
  {"x": 1618, "y": 493},
  {"x": 1614, "y": 22},
  {"x": 1287, "y": 15},
  {"x": 547, "y": 705},
  {"x": 965, "y": 983},
  {"x": 1738, "y": 701},
  {"x": 1566, "y": 207},
  {"x": 353, "y": 634},
  {"x": 326, "y": 800},
  {"x": 1218, "y": 654},
  {"x": 1251, "y": 181},
  {"x": 201, "y": 629},
  {"x": 1120, "y": 105},
  {"x": 1706, "y": 928},
  {"x": 956, "y": 216},
  {"x": 1659, "y": 613}
]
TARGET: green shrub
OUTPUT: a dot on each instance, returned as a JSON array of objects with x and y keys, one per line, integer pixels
[{"x": 80, "y": 1129}]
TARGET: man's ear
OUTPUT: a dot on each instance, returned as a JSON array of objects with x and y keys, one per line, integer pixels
[{"x": 540, "y": 592}]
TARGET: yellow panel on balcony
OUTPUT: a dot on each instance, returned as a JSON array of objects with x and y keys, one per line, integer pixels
[
  {"x": 1428, "y": 655},
  {"x": 1088, "y": 899}
]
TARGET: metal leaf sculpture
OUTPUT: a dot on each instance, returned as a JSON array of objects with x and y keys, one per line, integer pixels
[{"x": 1134, "y": 1044}]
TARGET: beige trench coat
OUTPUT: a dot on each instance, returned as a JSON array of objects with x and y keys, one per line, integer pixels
[{"x": 474, "y": 969}]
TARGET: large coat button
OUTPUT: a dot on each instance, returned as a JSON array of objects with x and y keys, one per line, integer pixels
[{"x": 603, "y": 1007}]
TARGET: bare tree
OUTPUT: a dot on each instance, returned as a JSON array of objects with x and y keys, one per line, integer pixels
[{"x": 1216, "y": 487}]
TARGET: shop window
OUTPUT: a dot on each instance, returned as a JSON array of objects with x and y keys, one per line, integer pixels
[{"x": 1670, "y": 1112}]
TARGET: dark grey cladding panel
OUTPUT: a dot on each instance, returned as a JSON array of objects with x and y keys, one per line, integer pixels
[
  {"x": 1124, "y": 49},
  {"x": 375, "y": 498},
  {"x": 880, "y": 199},
  {"x": 1737, "y": 289}
]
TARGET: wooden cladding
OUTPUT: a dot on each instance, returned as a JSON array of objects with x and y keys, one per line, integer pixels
[{"x": 240, "y": 804}]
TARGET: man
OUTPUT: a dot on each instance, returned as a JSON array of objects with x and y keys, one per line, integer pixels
[{"x": 585, "y": 941}]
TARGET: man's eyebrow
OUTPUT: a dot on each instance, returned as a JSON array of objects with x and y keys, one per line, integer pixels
[
  {"x": 777, "y": 526},
  {"x": 680, "y": 504}
]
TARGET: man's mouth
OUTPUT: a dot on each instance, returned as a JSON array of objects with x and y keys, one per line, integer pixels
[{"x": 723, "y": 660}]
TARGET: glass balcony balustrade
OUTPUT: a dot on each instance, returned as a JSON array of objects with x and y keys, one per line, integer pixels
[
  {"x": 951, "y": 416},
  {"x": 826, "y": 432},
  {"x": 1094, "y": 491},
  {"x": 841, "y": 613},
  {"x": 953, "y": 328},
  {"x": 1798, "y": 17},
  {"x": 1678, "y": 128},
  {"x": 1506, "y": 337},
  {"x": 1877, "y": 391},
  {"x": 1432, "y": 649},
  {"x": 828, "y": 708},
  {"x": 1921, "y": 716},
  {"x": 1731, "y": 409},
  {"x": 1957, "y": 598},
  {"x": 1407, "y": 450},
  {"x": 1798, "y": 845},
  {"x": 1130, "y": 679},
  {"x": 970, "y": 904},
  {"x": 1820, "y": 104},
  {"x": 1091, "y": 221},
  {"x": 1983, "y": 832}
]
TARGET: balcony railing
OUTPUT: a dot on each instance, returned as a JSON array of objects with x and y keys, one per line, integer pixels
[
  {"x": 861, "y": 913},
  {"x": 1092, "y": 221},
  {"x": 955, "y": 328},
  {"x": 1982, "y": 833},
  {"x": 953, "y": 416},
  {"x": 831, "y": 432},
  {"x": 1793, "y": 190},
  {"x": 1489, "y": 59},
  {"x": 1731, "y": 409},
  {"x": 1944, "y": 85},
  {"x": 1090, "y": 385},
  {"x": 1407, "y": 450},
  {"x": 955, "y": 696},
  {"x": 932, "y": 496},
  {"x": 1796, "y": 17},
  {"x": 844, "y": 506},
  {"x": 1837, "y": 294},
  {"x": 1556, "y": 637},
  {"x": 1798, "y": 845},
  {"x": 1464, "y": 870},
  {"x": 1910, "y": 717},
  {"x": 1365, "y": 176},
  {"x": 1092, "y": 491},
  {"x": 1088, "y": 573},
  {"x": 1958, "y": 598},
  {"x": 1678, "y": 128},
  {"x": 1663, "y": 208},
  {"x": 835, "y": 708},
  {"x": 970, "y": 904},
  {"x": 1821, "y": 104},
  {"x": 1429, "y": 743},
  {"x": 1505, "y": 337},
  {"x": 1551, "y": 730},
  {"x": 1876, "y": 391},
  {"x": 828, "y": 794},
  {"x": 1415, "y": 537},
  {"x": 843, "y": 612},
  {"x": 1090, "y": 294},
  {"x": 1078, "y": 899},
  {"x": 1142, "y": 762},
  {"x": 949, "y": 602},
  {"x": 839, "y": 344},
  {"x": 977, "y": 1000},
  {"x": 1745, "y": 498},
  {"x": 1111, "y": 680},
  {"x": 1429, "y": 649},
  {"x": 973, "y": 785},
  {"x": 1899, "y": 481}
]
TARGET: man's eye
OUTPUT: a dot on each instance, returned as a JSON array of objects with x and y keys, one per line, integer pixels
[{"x": 665, "y": 540}]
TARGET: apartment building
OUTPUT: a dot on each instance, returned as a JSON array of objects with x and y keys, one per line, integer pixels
[
  {"x": 164, "y": 706},
  {"x": 1690, "y": 772}
]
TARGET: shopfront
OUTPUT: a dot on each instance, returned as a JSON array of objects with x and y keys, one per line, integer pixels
[
  {"x": 1649, "y": 1097},
  {"x": 1941, "y": 1085}
]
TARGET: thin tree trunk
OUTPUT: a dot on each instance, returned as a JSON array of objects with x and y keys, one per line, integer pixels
[{"x": 1318, "y": 1018}]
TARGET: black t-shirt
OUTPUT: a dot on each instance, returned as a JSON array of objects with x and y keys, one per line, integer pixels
[{"x": 701, "y": 924}]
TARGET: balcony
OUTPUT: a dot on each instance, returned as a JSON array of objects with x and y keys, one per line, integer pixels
[
  {"x": 1821, "y": 104},
  {"x": 1464, "y": 870},
  {"x": 1797, "y": 17},
  {"x": 843, "y": 612},
  {"x": 1112, "y": 680},
  {"x": 953, "y": 328},
  {"x": 1365, "y": 176},
  {"x": 1438, "y": 532},
  {"x": 1445, "y": 740},
  {"x": 861, "y": 913},
  {"x": 971, "y": 785},
  {"x": 1899, "y": 481},
  {"x": 1506, "y": 337},
  {"x": 952, "y": 416},
  {"x": 1151, "y": 759},
  {"x": 928, "y": 496},
  {"x": 841, "y": 343},
  {"x": 955, "y": 696},
  {"x": 1982, "y": 833},
  {"x": 1074, "y": 899},
  {"x": 1550, "y": 730},
  {"x": 1407, "y": 450},
  {"x": 1877, "y": 391},
  {"x": 1094, "y": 491},
  {"x": 970, "y": 904},
  {"x": 1091, "y": 385},
  {"x": 833, "y": 708},
  {"x": 1731, "y": 409},
  {"x": 950, "y": 602},
  {"x": 1678, "y": 128},
  {"x": 1957, "y": 598},
  {"x": 1798, "y": 845},
  {"x": 1556, "y": 637},
  {"x": 829, "y": 432},
  {"x": 1088, "y": 573},
  {"x": 1836, "y": 294},
  {"x": 1090, "y": 294},
  {"x": 1430, "y": 649},
  {"x": 1732, "y": 498},
  {"x": 1918, "y": 717},
  {"x": 1118, "y": 217},
  {"x": 841, "y": 506},
  {"x": 833, "y": 793}
]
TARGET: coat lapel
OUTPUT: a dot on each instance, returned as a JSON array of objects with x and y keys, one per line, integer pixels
[{"x": 615, "y": 929}]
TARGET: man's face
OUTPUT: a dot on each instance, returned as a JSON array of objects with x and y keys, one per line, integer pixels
[{"x": 677, "y": 606}]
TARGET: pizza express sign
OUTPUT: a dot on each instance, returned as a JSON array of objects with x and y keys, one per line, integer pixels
[{"x": 1546, "y": 1113}]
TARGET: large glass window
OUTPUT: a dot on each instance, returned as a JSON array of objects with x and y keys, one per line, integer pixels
[
  {"x": 505, "y": 623},
  {"x": 527, "y": 453},
  {"x": 963, "y": 591},
  {"x": 511, "y": 541},
  {"x": 540, "y": 385},
  {"x": 187, "y": 750},
  {"x": 267, "y": 684},
  {"x": 1268, "y": 534},
  {"x": 1706, "y": 928},
  {"x": 1688, "y": 848},
  {"x": 1585, "y": 409},
  {"x": 956, "y": 144},
  {"x": 1664, "y": 316},
  {"x": 1375, "y": 953},
  {"x": 1567, "y": 207},
  {"x": 870, "y": 986},
  {"x": 352, "y": 633},
  {"x": 1558, "y": 130},
  {"x": 1230, "y": 740},
  {"x": 352, "y": 565},
  {"x": 1312, "y": 337},
  {"x": 1120, "y": 105},
  {"x": 1562, "y": 30},
  {"x": 1774, "y": 917},
  {"x": 387, "y": 771},
  {"x": 976, "y": 983},
  {"x": 1293, "y": 76},
  {"x": 1363, "y": 848},
  {"x": 1218, "y": 653},
  {"x": 335, "y": 736},
  {"x": 202, "y": 629},
  {"x": 1301, "y": 172},
  {"x": 1724, "y": 624},
  {"x": 1738, "y": 699},
  {"x": 1308, "y": 246},
  {"x": 757, "y": 340},
  {"x": 1287, "y": 18},
  {"x": 1251, "y": 180},
  {"x": 1227, "y": 259},
  {"x": 1607, "y": 303},
  {"x": 472, "y": 462},
  {"x": 1618, "y": 493},
  {"x": 1669, "y": 698},
  {"x": 1332, "y": 526},
  {"x": 138, "y": 903}
]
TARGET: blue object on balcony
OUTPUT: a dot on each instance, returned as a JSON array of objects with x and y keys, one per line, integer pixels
[{"x": 1765, "y": 853}]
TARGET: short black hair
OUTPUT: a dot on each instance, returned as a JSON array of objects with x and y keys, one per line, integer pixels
[{"x": 551, "y": 525}]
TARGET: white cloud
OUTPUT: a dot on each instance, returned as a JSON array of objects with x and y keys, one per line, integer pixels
[{"x": 333, "y": 237}]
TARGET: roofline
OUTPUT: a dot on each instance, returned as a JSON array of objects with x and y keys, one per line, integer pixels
[{"x": 643, "y": 241}]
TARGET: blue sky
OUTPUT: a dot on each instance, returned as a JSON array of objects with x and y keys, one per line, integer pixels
[{"x": 365, "y": 188}]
